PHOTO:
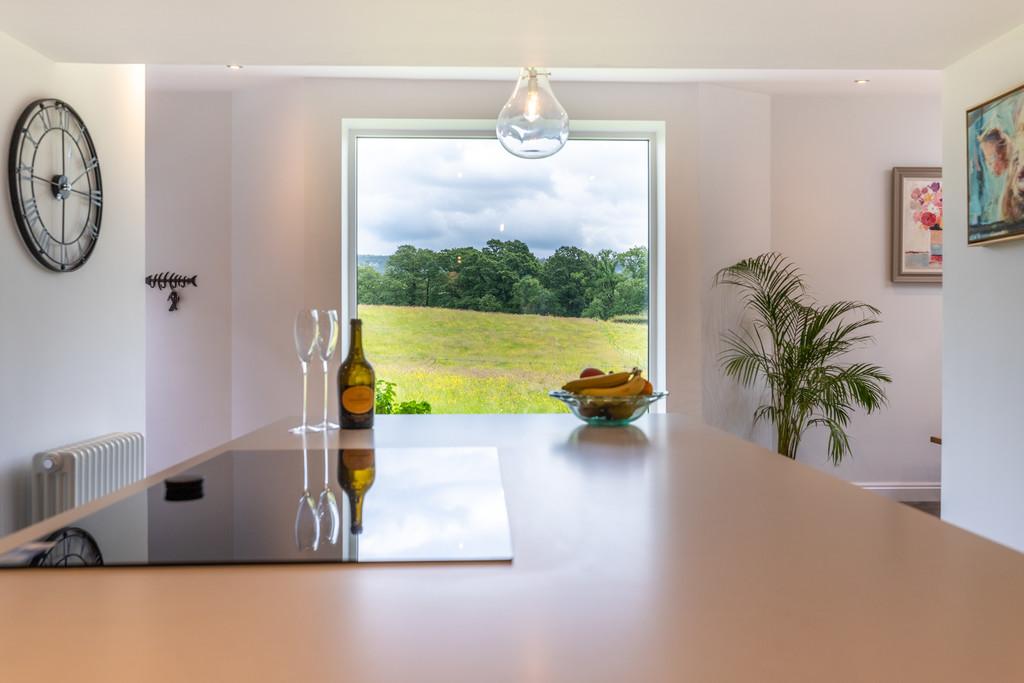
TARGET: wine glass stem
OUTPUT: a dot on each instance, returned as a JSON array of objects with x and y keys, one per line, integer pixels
[
  {"x": 305, "y": 470},
  {"x": 325, "y": 395},
  {"x": 305, "y": 394}
]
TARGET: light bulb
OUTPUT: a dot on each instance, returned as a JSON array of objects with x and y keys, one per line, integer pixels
[
  {"x": 532, "y": 124},
  {"x": 532, "y": 112}
]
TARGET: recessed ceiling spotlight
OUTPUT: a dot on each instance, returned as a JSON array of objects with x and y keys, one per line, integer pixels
[
  {"x": 235, "y": 67},
  {"x": 861, "y": 81}
]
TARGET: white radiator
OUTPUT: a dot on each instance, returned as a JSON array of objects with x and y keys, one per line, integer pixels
[{"x": 72, "y": 475}]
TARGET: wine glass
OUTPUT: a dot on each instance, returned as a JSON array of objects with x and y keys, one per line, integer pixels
[
  {"x": 327, "y": 507},
  {"x": 307, "y": 523},
  {"x": 326, "y": 343},
  {"x": 307, "y": 329}
]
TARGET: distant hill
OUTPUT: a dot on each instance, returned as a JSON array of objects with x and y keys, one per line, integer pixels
[{"x": 378, "y": 263}]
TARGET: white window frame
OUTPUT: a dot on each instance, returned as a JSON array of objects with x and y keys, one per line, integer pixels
[{"x": 653, "y": 132}]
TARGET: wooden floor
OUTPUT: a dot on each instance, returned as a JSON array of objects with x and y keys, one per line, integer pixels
[{"x": 932, "y": 507}]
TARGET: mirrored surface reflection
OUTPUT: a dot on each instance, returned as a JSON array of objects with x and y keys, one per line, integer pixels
[
  {"x": 307, "y": 516},
  {"x": 356, "y": 473},
  {"x": 327, "y": 506},
  {"x": 623, "y": 437},
  {"x": 400, "y": 505}
]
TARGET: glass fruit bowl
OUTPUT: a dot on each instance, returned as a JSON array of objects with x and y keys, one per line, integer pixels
[{"x": 607, "y": 411}]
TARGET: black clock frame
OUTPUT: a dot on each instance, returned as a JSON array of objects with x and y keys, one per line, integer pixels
[{"x": 27, "y": 236}]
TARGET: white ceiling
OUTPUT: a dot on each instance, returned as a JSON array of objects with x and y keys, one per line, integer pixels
[
  {"x": 772, "y": 81},
  {"x": 673, "y": 34}
]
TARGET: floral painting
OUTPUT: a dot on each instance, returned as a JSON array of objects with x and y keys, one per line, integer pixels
[
  {"x": 995, "y": 169},
  {"x": 917, "y": 225},
  {"x": 922, "y": 226}
]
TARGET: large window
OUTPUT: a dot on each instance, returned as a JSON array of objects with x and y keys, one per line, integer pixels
[{"x": 484, "y": 280}]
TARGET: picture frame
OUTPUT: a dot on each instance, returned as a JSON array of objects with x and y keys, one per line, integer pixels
[
  {"x": 995, "y": 169},
  {"x": 916, "y": 224}
]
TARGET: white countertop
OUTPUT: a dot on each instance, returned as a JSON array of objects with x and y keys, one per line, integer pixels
[{"x": 665, "y": 552}]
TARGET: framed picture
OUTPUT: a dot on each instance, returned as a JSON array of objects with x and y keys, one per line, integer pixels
[
  {"x": 995, "y": 169},
  {"x": 917, "y": 224}
]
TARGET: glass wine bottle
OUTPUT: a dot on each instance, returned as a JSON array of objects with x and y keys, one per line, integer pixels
[
  {"x": 356, "y": 379},
  {"x": 356, "y": 472}
]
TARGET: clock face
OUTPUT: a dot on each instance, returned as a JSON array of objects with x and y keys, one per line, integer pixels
[{"x": 55, "y": 184}]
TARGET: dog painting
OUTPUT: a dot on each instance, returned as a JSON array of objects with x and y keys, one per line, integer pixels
[{"x": 995, "y": 169}]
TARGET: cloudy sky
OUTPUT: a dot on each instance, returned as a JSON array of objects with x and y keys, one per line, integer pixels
[{"x": 451, "y": 193}]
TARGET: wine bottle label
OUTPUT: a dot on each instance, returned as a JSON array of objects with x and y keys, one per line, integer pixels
[
  {"x": 358, "y": 399},
  {"x": 357, "y": 458}
]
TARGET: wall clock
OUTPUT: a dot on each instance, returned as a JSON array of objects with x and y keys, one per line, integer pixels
[{"x": 55, "y": 184}]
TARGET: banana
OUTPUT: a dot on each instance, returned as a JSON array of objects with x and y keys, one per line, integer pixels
[
  {"x": 634, "y": 387},
  {"x": 598, "y": 382}
]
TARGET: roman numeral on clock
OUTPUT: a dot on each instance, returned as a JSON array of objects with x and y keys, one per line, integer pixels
[{"x": 32, "y": 212}]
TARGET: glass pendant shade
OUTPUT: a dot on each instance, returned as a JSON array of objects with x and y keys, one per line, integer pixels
[{"x": 532, "y": 124}]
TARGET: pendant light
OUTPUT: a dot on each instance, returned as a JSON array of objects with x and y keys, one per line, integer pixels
[{"x": 532, "y": 124}]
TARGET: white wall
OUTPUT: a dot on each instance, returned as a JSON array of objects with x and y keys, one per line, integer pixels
[
  {"x": 983, "y": 369},
  {"x": 734, "y": 181},
  {"x": 285, "y": 241},
  {"x": 72, "y": 352},
  {"x": 740, "y": 167},
  {"x": 831, "y": 163},
  {"x": 287, "y": 173},
  {"x": 188, "y": 219},
  {"x": 269, "y": 201}
]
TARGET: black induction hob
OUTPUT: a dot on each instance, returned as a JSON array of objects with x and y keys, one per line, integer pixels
[{"x": 256, "y": 507}]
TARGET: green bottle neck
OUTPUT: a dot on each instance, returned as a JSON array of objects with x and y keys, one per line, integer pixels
[
  {"x": 355, "y": 351},
  {"x": 355, "y": 504}
]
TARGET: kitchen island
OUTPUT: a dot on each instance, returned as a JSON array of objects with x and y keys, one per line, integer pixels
[{"x": 665, "y": 551}]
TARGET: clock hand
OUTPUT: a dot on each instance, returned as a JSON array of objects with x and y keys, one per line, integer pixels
[
  {"x": 82, "y": 174},
  {"x": 45, "y": 180}
]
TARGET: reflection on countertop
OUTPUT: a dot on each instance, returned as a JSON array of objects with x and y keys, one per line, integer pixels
[{"x": 404, "y": 505}]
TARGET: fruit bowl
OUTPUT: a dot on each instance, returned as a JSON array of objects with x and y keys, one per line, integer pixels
[{"x": 607, "y": 411}]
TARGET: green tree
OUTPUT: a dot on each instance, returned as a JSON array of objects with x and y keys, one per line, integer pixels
[
  {"x": 567, "y": 274},
  {"x": 530, "y": 296},
  {"x": 630, "y": 296},
  {"x": 415, "y": 275},
  {"x": 634, "y": 263},
  {"x": 470, "y": 278},
  {"x": 603, "y": 284},
  {"x": 506, "y": 276},
  {"x": 370, "y": 285},
  {"x": 508, "y": 263},
  {"x": 631, "y": 293},
  {"x": 489, "y": 303}
]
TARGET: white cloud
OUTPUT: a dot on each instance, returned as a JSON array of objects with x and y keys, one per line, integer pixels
[{"x": 442, "y": 193}]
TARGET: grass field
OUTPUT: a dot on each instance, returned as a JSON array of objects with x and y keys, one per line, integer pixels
[{"x": 471, "y": 362}]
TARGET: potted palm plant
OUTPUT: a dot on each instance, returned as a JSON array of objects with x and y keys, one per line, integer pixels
[{"x": 793, "y": 347}]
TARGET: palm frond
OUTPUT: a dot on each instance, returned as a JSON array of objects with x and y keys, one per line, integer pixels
[
  {"x": 838, "y": 441},
  {"x": 793, "y": 346}
]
